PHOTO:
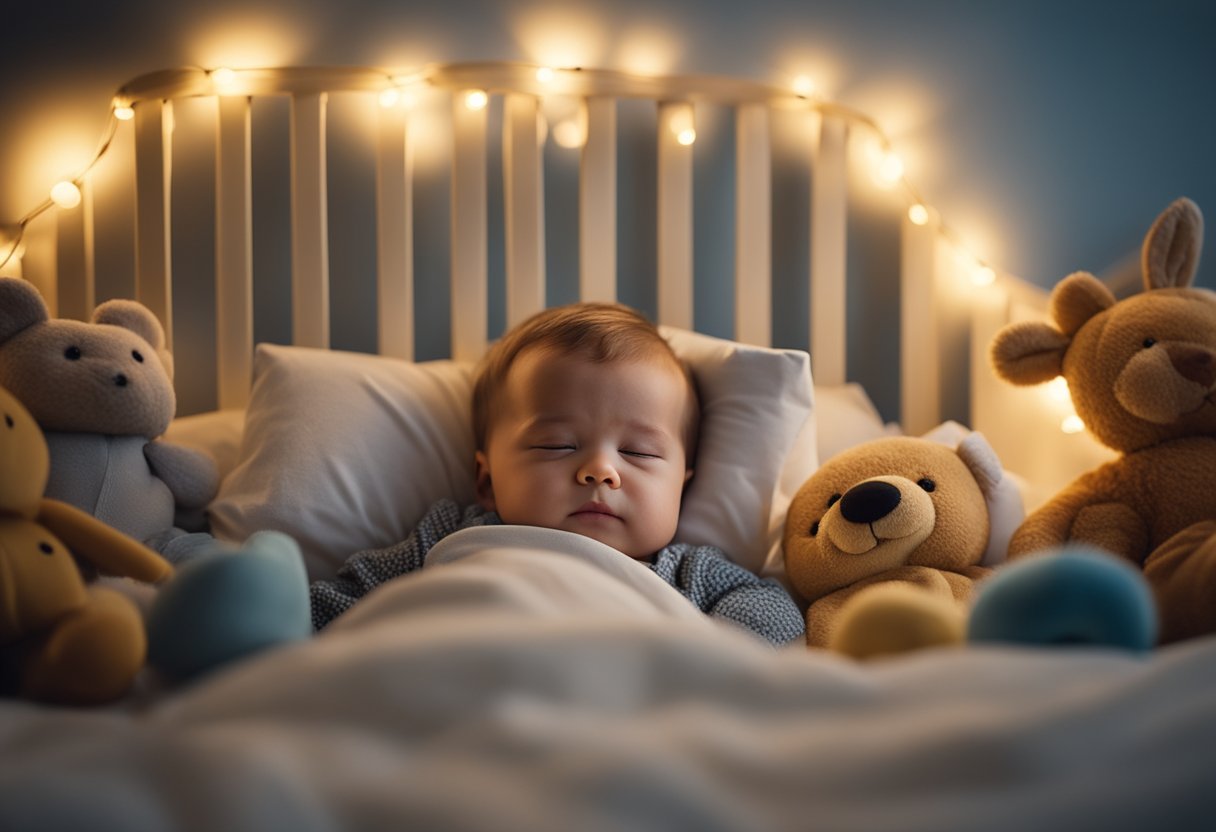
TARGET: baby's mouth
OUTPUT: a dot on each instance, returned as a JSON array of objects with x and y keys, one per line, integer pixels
[{"x": 594, "y": 509}]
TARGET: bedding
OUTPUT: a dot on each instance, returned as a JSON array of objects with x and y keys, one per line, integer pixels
[{"x": 542, "y": 682}]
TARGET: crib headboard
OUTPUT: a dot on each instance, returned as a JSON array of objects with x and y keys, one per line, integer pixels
[{"x": 407, "y": 106}]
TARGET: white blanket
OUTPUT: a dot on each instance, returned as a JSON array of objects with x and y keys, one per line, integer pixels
[{"x": 530, "y": 680}]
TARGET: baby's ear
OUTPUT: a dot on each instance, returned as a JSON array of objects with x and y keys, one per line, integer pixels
[
  {"x": 20, "y": 307},
  {"x": 484, "y": 486}
]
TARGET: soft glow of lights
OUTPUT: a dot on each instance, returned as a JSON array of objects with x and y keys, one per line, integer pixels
[
  {"x": 566, "y": 35},
  {"x": 390, "y": 98},
  {"x": 545, "y": 74},
  {"x": 1057, "y": 388},
  {"x": 686, "y": 136},
  {"x": 65, "y": 194},
  {"x": 804, "y": 86},
  {"x": 1072, "y": 424},
  {"x": 223, "y": 78},
  {"x": 918, "y": 214},
  {"x": 890, "y": 170},
  {"x": 123, "y": 112},
  {"x": 570, "y": 133},
  {"x": 476, "y": 99},
  {"x": 983, "y": 276}
]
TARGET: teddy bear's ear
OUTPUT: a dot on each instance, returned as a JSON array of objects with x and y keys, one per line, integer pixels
[
  {"x": 1028, "y": 352},
  {"x": 133, "y": 316},
  {"x": 20, "y": 307},
  {"x": 1171, "y": 249},
  {"x": 1076, "y": 299}
]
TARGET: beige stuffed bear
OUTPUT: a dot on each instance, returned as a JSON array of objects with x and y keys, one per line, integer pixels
[
  {"x": 102, "y": 392},
  {"x": 1142, "y": 375},
  {"x": 62, "y": 641},
  {"x": 886, "y": 540}
]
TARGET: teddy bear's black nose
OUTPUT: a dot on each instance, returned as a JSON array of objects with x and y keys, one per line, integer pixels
[
  {"x": 120, "y": 380},
  {"x": 869, "y": 501}
]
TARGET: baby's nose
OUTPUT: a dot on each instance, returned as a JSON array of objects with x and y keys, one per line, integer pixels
[{"x": 598, "y": 470}]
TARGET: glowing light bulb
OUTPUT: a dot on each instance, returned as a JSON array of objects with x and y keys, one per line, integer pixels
[
  {"x": 569, "y": 133},
  {"x": 389, "y": 98},
  {"x": 804, "y": 86},
  {"x": 918, "y": 214},
  {"x": 1057, "y": 388},
  {"x": 65, "y": 194},
  {"x": 544, "y": 74},
  {"x": 223, "y": 78},
  {"x": 1072, "y": 424},
  {"x": 123, "y": 112},
  {"x": 686, "y": 136},
  {"x": 476, "y": 99},
  {"x": 983, "y": 276},
  {"x": 890, "y": 170}
]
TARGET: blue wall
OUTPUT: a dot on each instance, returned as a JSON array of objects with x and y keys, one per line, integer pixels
[{"x": 1047, "y": 133}]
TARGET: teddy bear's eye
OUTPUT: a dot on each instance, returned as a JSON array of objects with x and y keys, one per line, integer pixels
[
  {"x": 832, "y": 500},
  {"x": 135, "y": 354},
  {"x": 72, "y": 353},
  {"x": 1148, "y": 342},
  {"x": 926, "y": 483},
  {"x": 46, "y": 548},
  {"x": 815, "y": 528},
  {"x": 8, "y": 420}
]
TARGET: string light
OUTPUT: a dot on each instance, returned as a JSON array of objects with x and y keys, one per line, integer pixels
[
  {"x": 889, "y": 168},
  {"x": 65, "y": 194},
  {"x": 476, "y": 99},
  {"x": 1072, "y": 424}
]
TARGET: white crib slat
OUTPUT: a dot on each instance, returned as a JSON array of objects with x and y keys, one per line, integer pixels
[
  {"x": 919, "y": 371},
  {"x": 75, "y": 257},
  {"x": 829, "y": 206},
  {"x": 753, "y": 231},
  {"x": 233, "y": 254},
  {"x": 597, "y": 202},
  {"x": 525, "y": 208},
  {"x": 394, "y": 236},
  {"x": 153, "y": 162},
  {"x": 469, "y": 249},
  {"x": 309, "y": 223},
  {"x": 675, "y": 218}
]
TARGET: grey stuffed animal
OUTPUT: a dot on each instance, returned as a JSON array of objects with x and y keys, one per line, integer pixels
[{"x": 102, "y": 392}]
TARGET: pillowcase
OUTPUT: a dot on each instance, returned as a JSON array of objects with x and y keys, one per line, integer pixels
[
  {"x": 846, "y": 416},
  {"x": 346, "y": 451}
]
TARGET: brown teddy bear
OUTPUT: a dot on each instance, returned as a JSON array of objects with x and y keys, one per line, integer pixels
[
  {"x": 1142, "y": 375},
  {"x": 886, "y": 540},
  {"x": 60, "y": 640},
  {"x": 102, "y": 392}
]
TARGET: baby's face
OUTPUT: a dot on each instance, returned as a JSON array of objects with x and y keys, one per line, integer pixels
[{"x": 590, "y": 448}]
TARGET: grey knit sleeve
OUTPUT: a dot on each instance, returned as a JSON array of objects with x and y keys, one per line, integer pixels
[
  {"x": 725, "y": 590},
  {"x": 366, "y": 570}
]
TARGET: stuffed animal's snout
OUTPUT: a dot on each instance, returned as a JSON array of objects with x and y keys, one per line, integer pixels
[
  {"x": 892, "y": 512},
  {"x": 1165, "y": 382}
]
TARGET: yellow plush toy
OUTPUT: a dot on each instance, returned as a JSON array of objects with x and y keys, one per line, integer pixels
[
  {"x": 65, "y": 641},
  {"x": 886, "y": 540},
  {"x": 1142, "y": 375}
]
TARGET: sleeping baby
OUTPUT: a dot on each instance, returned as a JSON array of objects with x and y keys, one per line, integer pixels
[{"x": 585, "y": 421}]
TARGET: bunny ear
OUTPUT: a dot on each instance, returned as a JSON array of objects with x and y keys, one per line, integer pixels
[{"x": 1171, "y": 249}]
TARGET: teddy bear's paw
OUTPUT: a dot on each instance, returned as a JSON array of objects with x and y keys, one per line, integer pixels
[
  {"x": 1071, "y": 595},
  {"x": 892, "y": 618},
  {"x": 225, "y": 605},
  {"x": 91, "y": 656}
]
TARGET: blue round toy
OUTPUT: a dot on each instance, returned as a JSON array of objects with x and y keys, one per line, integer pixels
[{"x": 1072, "y": 595}]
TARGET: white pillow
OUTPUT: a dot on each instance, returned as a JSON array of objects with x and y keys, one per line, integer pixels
[
  {"x": 217, "y": 433},
  {"x": 846, "y": 416},
  {"x": 346, "y": 451}
]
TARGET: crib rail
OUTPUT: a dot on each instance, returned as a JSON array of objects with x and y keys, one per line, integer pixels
[{"x": 522, "y": 88}]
